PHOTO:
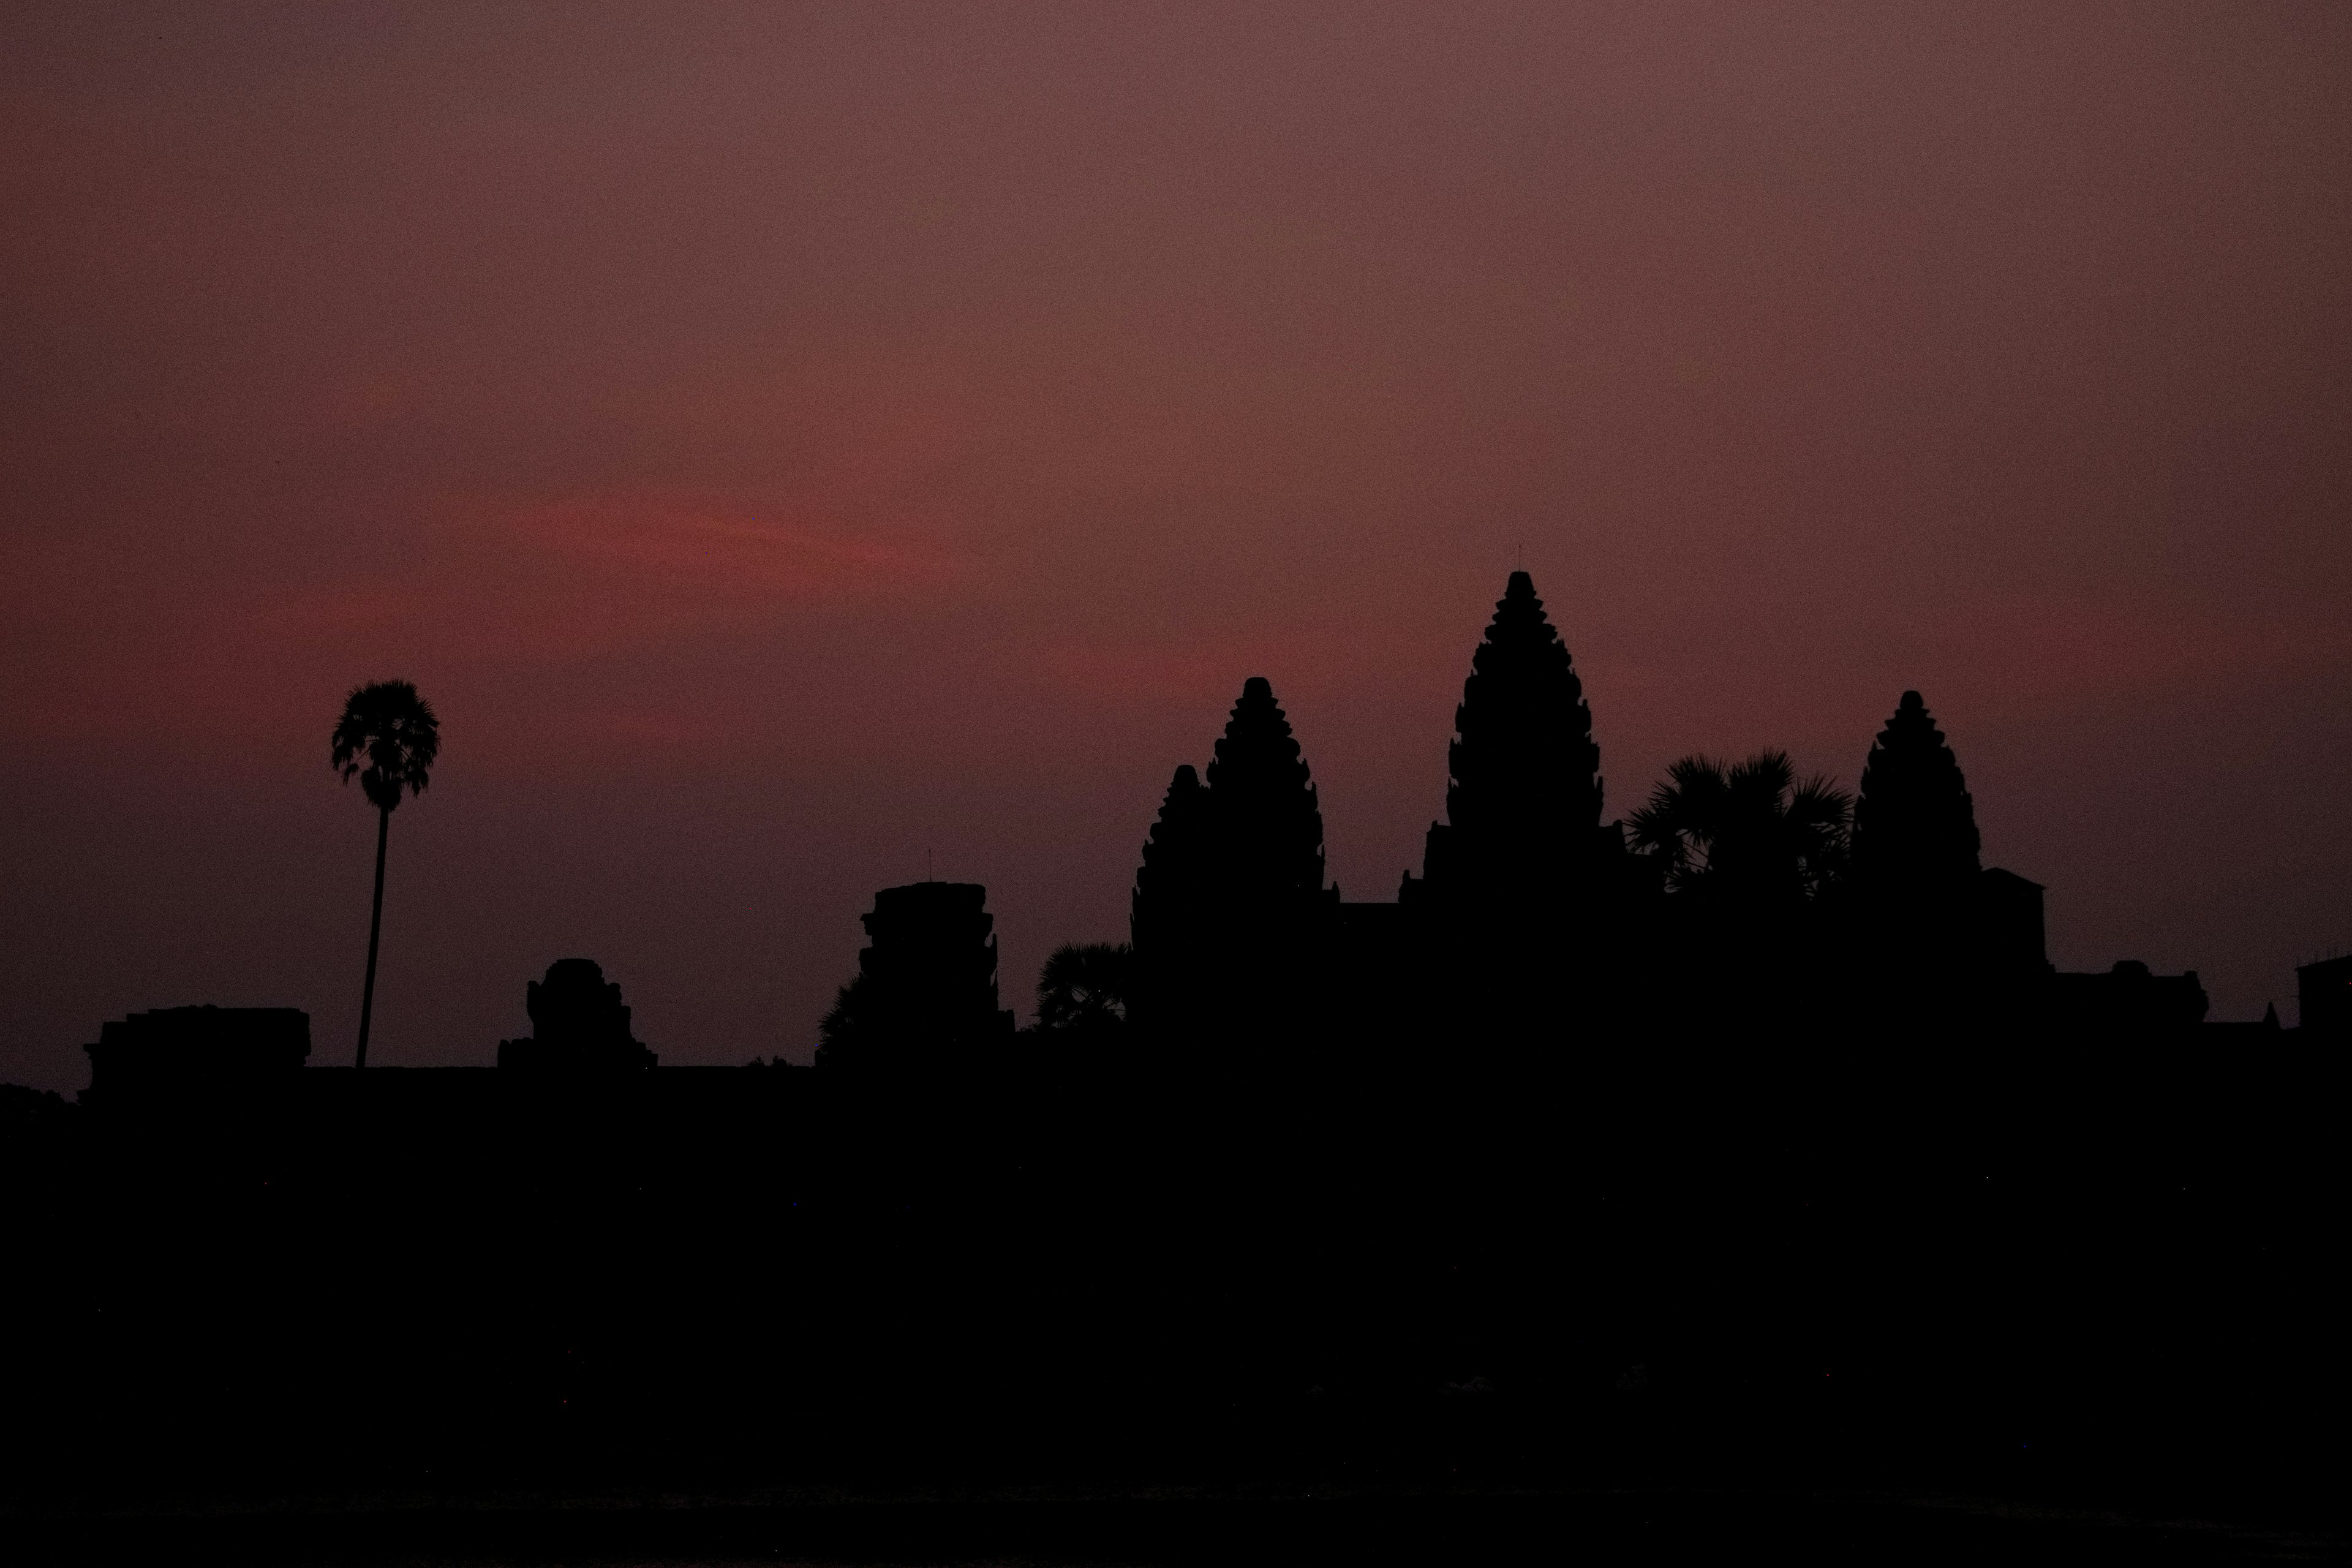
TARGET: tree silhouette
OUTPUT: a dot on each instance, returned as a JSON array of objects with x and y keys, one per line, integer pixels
[
  {"x": 1748, "y": 832},
  {"x": 388, "y": 737},
  {"x": 848, "y": 1024},
  {"x": 1084, "y": 986}
]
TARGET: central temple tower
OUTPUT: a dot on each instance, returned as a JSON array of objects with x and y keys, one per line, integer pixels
[{"x": 1523, "y": 802}]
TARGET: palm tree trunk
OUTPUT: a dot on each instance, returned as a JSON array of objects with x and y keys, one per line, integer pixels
[{"x": 376, "y": 929}]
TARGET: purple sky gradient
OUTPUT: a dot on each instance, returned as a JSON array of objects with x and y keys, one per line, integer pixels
[{"x": 780, "y": 440}]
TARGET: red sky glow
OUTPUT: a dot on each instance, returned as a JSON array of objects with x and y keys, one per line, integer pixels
[{"x": 783, "y": 442}]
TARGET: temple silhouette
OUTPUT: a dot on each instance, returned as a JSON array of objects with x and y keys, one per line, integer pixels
[
  {"x": 924, "y": 1000},
  {"x": 1749, "y": 1133},
  {"x": 578, "y": 1023},
  {"x": 1535, "y": 929}
]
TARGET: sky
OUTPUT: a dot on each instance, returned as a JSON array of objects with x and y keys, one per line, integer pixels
[{"x": 796, "y": 446}]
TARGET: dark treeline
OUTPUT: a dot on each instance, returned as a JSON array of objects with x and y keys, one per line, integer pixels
[{"x": 1750, "y": 1137}]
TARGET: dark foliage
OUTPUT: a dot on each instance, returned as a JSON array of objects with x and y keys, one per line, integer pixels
[
  {"x": 388, "y": 739},
  {"x": 1083, "y": 987},
  {"x": 1748, "y": 832},
  {"x": 848, "y": 1024}
]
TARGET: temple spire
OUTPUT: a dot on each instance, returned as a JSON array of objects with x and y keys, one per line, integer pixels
[
  {"x": 1229, "y": 905},
  {"x": 1172, "y": 883},
  {"x": 1267, "y": 821},
  {"x": 1914, "y": 826},
  {"x": 1524, "y": 801}
]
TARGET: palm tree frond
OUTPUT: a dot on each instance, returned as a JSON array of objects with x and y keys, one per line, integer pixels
[
  {"x": 1084, "y": 984},
  {"x": 388, "y": 738},
  {"x": 1751, "y": 830},
  {"x": 1818, "y": 800}
]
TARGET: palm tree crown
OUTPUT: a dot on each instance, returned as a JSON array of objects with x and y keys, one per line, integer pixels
[
  {"x": 1084, "y": 986},
  {"x": 1751, "y": 829},
  {"x": 388, "y": 737}
]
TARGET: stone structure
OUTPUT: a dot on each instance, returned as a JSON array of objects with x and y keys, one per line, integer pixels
[
  {"x": 925, "y": 995},
  {"x": 1229, "y": 920},
  {"x": 1925, "y": 915},
  {"x": 1522, "y": 796},
  {"x": 1915, "y": 823},
  {"x": 578, "y": 1023},
  {"x": 175, "y": 1052},
  {"x": 2323, "y": 999},
  {"x": 934, "y": 957},
  {"x": 1168, "y": 913},
  {"x": 2127, "y": 1002}
]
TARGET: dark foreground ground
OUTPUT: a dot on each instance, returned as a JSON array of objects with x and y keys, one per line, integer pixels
[
  {"x": 1739, "y": 1296},
  {"x": 1633, "y": 1526}
]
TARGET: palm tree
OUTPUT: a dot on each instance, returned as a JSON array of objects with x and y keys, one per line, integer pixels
[
  {"x": 1084, "y": 986},
  {"x": 388, "y": 737},
  {"x": 846, "y": 1032},
  {"x": 1749, "y": 831}
]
